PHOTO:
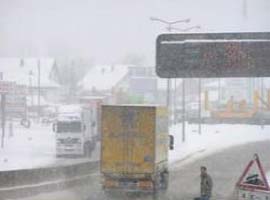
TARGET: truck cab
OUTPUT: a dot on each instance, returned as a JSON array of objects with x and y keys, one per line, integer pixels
[{"x": 75, "y": 131}]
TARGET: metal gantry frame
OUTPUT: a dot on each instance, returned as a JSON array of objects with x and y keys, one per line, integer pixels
[{"x": 170, "y": 28}]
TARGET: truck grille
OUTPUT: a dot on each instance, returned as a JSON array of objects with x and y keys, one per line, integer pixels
[{"x": 69, "y": 140}]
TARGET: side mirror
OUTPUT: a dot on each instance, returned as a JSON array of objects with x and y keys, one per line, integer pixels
[
  {"x": 171, "y": 144},
  {"x": 54, "y": 128},
  {"x": 93, "y": 124},
  {"x": 84, "y": 128}
]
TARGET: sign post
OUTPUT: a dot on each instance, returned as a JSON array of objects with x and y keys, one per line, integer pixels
[
  {"x": 3, "y": 118},
  {"x": 5, "y": 87}
]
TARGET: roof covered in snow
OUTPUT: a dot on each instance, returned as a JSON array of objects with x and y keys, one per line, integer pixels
[
  {"x": 71, "y": 108},
  {"x": 25, "y": 71},
  {"x": 104, "y": 77}
]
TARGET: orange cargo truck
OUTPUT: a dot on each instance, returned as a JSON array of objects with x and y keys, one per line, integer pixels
[{"x": 134, "y": 147}]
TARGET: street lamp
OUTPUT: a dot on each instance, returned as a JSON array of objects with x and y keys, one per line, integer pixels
[
  {"x": 169, "y": 28},
  {"x": 22, "y": 63},
  {"x": 38, "y": 66},
  {"x": 183, "y": 92},
  {"x": 169, "y": 23},
  {"x": 183, "y": 84},
  {"x": 30, "y": 86}
]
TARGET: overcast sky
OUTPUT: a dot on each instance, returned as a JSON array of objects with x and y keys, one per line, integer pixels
[{"x": 108, "y": 30}]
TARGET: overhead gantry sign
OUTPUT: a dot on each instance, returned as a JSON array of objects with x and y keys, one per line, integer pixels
[{"x": 213, "y": 55}]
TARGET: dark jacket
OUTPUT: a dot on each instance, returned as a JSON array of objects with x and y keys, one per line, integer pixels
[{"x": 206, "y": 185}]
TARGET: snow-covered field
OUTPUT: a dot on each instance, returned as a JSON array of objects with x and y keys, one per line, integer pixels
[
  {"x": 213, "y": 138},
  {"x": 32, "y": 148},
  {"x": 35, "y": 147},
  {"x": 28, "y": 148}
]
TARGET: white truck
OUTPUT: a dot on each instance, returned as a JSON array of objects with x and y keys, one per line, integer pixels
[{"x": 76, "y": 130}]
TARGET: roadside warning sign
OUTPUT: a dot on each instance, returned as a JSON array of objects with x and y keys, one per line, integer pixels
[{"x": 253, "y": 177}]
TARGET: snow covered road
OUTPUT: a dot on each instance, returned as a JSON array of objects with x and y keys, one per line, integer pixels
[
  {"x": 225, "y": 149},
  {"x": 225, "y": 167},
  {"x": 35, "y": 147}
]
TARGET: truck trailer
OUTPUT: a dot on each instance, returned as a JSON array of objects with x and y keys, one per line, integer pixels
[{"x": 134, "y": 147}]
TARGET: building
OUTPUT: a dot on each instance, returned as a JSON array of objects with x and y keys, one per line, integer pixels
[
  {"x": 25, "y": 72},
  {"x": 125, "y": 84}
]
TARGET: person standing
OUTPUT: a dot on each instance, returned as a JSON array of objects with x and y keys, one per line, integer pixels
[{"x": 206, "y": 184}]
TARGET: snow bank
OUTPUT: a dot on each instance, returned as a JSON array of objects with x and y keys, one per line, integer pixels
[
  {"x": 213, "y": 138},
  {"x": 28, "y": 148},
  {"x": 35, "y": 147}
]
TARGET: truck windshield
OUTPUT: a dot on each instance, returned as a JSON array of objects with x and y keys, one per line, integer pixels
[{"x": 69, "y": 127}]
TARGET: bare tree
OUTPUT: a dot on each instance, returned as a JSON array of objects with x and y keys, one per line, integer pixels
[{"x": 68, "y": 72}]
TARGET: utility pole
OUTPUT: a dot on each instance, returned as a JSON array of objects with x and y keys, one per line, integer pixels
[
  {"x": 38, "y": 67},
  {"x": 6, "y": 87},
  {"x": 175, "y": 101},
  {"x": 22, "y": 63},
  {"x": 262, "y": 88},
  {"x": 245, "y": 13},
  {"x": 169, "y": 28},
  {"x": 219, "y": 92},
  {"x": 200, "y": 106},
  {"x": 168, "y": 93},
  {"x": 183, "y": 112},
  {"x": 3, "y": 117},
  {"x": 31, "y": 87}
]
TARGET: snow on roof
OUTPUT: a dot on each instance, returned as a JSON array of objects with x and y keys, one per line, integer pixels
[
  {"x": 22, "y": 72},
  {"x": 71, "y": 108},
  {"x": 69, "y": 117},
  {"x": 104, "y": 77},
  {"x": 213, "y": 41}
]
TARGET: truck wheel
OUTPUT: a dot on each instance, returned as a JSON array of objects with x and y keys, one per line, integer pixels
[
  {"x": 164, "y": 180},
  {"x": 157, "y": 183}
]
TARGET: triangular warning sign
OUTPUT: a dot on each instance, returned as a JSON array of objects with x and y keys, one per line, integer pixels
[{"x": 254, "y": 176}]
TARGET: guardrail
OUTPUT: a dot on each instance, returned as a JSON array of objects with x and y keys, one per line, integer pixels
[{"x": 26, "y": 182}]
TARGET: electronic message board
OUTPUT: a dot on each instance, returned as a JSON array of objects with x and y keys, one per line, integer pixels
[{"x": 213, "y": 55}]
